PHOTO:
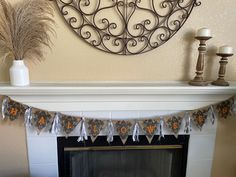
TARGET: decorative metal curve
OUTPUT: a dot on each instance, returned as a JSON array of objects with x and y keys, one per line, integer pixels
[{"x": 126, "y": 27}]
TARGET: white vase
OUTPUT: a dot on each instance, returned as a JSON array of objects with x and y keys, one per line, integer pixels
[{"x": 19, "y": 73}]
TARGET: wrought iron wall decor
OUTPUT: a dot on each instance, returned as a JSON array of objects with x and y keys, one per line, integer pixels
[{"x": 126, "y": 27}]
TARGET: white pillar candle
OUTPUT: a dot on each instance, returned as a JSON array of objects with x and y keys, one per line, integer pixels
[
  {"x": 225, "y": 49},
  {"x": 203, "y": 32}
]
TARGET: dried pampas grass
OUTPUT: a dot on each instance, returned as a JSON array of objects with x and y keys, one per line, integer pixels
[{"x": 25, "y": 28}]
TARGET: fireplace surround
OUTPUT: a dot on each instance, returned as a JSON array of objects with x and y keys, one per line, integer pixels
[{"x": 119, "y": 100}]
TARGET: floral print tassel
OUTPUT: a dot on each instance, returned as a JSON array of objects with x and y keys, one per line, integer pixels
[
  {"x": 136, "y": 132},
  {"x": 4, "y": 106},
  {"x": 83, "y": 134},
  {"x": 110, "y": 132}
]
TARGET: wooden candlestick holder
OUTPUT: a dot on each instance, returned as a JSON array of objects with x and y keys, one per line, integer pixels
[
  {"x": 222, "y": 70},
  {"x": 198, "y": 79}
]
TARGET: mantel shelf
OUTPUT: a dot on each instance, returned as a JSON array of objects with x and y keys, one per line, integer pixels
[
  {"x": 115, "y": 88},
  {"x": 123, "y": 96}
]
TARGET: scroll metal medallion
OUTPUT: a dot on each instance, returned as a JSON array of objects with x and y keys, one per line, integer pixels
[{"x": 126, "y": 27}]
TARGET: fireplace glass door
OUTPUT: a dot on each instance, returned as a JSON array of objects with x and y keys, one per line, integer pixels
[{"x": 132, "y": 160}]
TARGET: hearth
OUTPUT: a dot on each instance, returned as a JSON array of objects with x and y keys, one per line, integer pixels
[{"x": 164, "y": 158}]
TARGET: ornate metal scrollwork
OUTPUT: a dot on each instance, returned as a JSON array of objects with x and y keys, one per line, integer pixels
[{"x": 126, "y": 27}]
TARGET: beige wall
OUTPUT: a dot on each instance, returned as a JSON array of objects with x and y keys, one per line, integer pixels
[
  {"x": 73, "y": 60},
  {"x": 13, "y": 153},
  {"x": 224, "y": 164}
]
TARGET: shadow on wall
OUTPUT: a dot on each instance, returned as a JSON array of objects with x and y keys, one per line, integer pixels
[
  {"x": 4, "y": 68},
  {"x": 209, "y": 62},
  {"x": 189, "y": 39}
]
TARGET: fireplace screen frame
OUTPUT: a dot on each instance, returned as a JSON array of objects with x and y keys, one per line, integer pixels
[{"x": 169, "y": 142}]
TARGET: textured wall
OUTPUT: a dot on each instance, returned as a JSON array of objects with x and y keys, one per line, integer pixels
[{"x": 73, "y": 60}]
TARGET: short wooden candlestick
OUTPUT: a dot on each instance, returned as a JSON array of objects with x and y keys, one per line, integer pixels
[
  {"x": 221, "y": 75},
  {"x": 198, "y": 79}
]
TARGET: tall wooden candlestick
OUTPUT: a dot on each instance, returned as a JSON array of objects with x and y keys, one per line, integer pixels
[
  {"x": 224, "y": 60},
  {"x": 198, "y": 79}
]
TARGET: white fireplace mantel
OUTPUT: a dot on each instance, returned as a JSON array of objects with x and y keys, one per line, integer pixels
[
  {"x": 100, "y": 96},
  {"x": 108, "y": 88},
  {"x": 121, "y": 100}
]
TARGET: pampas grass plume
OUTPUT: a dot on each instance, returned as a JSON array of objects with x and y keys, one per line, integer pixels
[{"x": 25, "y": 28}]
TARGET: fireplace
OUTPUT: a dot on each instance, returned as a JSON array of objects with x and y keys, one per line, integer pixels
[
  {"x": 164, "y": 158},
  {"x": 119, "y": 101}
]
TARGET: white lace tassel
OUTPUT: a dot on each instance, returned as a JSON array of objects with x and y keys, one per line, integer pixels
[
  {"x": 83, "y": 134},
  {"x": 188, "y": 127},
  {"x": 136, "y": 132},
  {"x": 56, "y": 123},
  {"x": 161, "y": 129},
  {"x": 28, "y": 116},
  {"x": 4, "y": 106},
  {"x": 212, "y": 115},
  {"x": 234, "y": 106},
  {"x": 110, "y": 133}
]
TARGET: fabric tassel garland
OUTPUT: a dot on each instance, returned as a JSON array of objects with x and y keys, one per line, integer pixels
[
  {"x": 136, "y": 132},
  {"x": 4, "y": 106},
  {"x": 83, "y": 134},
  {"x": 28, "y": 117},
  {"x": 110, "y": 131},
  {"x": 188, "y": 127},
  {"x": 55, "y": 129},
  {"x": 56, "y": 122},
  {"x": 161, "y": 129}
]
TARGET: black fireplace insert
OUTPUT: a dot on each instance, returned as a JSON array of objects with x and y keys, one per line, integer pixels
[{"x": 164, "y": 158}]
